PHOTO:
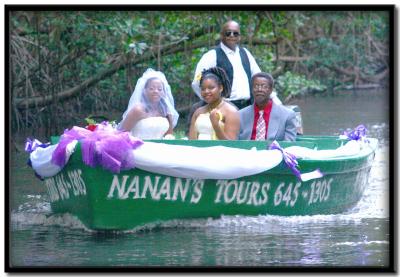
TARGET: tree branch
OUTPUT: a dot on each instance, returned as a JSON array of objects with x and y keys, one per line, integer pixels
[{"x": 120, "y": 62}]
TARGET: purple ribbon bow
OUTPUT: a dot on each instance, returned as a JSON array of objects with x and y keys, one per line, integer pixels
[
  {"x": 359, "y": 133},
  {"x": 109, "y": 148},
  {"x": 291, "y": 162},
  {"x": 32, "y": 144}
]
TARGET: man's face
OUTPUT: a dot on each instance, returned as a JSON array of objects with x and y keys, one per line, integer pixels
[
  {"x": 230, "y": 35},
  {"x": 262, "y": 90}
]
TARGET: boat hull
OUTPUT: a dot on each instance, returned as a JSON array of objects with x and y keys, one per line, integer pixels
[{"x": 133, "y": 198}]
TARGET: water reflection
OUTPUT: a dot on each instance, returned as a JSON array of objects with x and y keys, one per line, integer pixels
[{"x": 331, "y": 115}]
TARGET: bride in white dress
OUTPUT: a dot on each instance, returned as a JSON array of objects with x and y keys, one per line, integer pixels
[{"x": 150, "y": 113}]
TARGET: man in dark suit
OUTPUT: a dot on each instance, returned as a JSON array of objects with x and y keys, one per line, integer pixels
[{"x": 265, "y": 120}]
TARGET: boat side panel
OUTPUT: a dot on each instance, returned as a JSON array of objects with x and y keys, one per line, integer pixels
[
  {"x": 69, "y": 193},
  {"x": 134, "y": 198},
  {"x": 102, "y": 200}
]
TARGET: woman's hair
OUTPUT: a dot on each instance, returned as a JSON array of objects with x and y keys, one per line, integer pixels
[
  {"x": 162, "y": 104},
  {"x": 219, "y": 75},
  {"x": 151, "y": 80}
]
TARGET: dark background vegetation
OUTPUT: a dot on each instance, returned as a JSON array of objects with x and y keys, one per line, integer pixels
[{"x": 65, "y": 65}]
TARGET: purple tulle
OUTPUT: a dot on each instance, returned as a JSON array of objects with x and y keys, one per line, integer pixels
[
  {"x": 358, "y": 133},
  {"x": 107, "y": 147},
  {"x": 59, "y": 154},
  {"x": 291, "y": 162},
  {"x": 88, "y": 147}
]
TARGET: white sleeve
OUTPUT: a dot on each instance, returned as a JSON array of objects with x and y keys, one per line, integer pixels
[
  {"x": 208, "y": 60},
  {"x": 275, "y": 98},
  {"x": 254, "y": 68}
]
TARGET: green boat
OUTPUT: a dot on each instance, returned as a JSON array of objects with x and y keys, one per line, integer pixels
[{"x": 134, "y": 198}]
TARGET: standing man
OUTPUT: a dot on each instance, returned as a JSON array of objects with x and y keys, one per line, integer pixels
[
  {"x": 237, "y": 62},
  {"x": 265, "y": 120}
]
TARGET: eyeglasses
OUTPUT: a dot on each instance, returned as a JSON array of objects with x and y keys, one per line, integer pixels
[
  {"x": 232, "y": 33},
  {"x": 261, "y": 86}
]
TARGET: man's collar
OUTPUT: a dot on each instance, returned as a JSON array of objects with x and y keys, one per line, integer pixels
[
  {"x": 227, "y": 49},
  {"x": 257, "y": 109}
]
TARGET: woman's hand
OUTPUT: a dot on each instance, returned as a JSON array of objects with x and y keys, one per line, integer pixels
[
  {"x": 231, "y": 119},
  {"x": 215, "y": 117}
]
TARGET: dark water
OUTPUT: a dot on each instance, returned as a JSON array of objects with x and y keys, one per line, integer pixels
[{"x": 357, "y": 238}]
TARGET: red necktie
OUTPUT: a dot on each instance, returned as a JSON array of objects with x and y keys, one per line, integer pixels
[{"x": 260, "y": 129}]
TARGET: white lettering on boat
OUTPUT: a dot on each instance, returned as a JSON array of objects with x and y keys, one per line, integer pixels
[
  {"x": 78, "y": 185},
  {"x": 236, "y": 192},
  {"x": 169, "y": 188},
  {"x": 52, "y": 190},
  {"x": 320, "y": 191},
  {"x": 180, "y": 189},
  {"x": 240, "y": 192},
  {"x": 198, "y": 189},
  {"x": 149, "y": 186},
  {"x": 133, "y": 187},
  {"x": 61, "y": 186},
  {"x": 286, "y": 194},
  {"x": 165, "y": 189}
]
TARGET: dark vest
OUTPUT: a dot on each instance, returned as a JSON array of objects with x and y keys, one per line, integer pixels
[{"x": 223, "y": 61}]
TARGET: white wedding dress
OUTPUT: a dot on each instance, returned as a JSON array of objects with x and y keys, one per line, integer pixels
[
  {"x": 151, "y": 128},
  {"x": 204, "y": 127}
]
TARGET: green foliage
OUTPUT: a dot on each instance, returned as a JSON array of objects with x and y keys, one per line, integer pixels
[
  {"x": 52, "y": 51},
  {"x": 138, "y": 48},
  {"x": 293, "y": 84},
  {"x": 90, "y": 121}
]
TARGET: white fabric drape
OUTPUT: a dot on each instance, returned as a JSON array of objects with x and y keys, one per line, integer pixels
[{"x": 217, "y": 162}]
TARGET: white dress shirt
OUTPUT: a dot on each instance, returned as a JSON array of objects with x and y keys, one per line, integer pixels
[{"x": 240, "y": 85}]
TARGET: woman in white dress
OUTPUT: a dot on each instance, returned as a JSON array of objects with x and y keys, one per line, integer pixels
[
  {"x": 150, "y": 113},
  {"x": 218, "y": 120}
]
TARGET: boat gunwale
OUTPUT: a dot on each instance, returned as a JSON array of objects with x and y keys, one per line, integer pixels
[{"x": 359, "y": 156}]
